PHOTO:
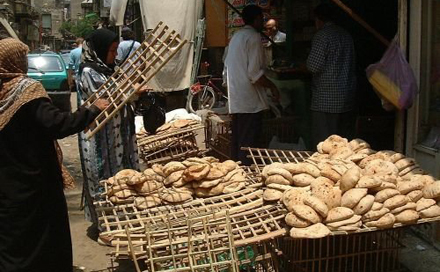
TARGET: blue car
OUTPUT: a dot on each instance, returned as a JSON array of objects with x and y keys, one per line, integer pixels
[{"x": 50, "y": 70}]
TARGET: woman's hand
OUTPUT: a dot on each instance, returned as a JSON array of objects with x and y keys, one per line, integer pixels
[
  {"x": 144, "y": 89},
  {"x": 101, "y": 104}
]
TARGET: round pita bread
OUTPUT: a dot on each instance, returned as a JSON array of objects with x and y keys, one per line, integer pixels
[
  {"x": 352, "y": 197},
  {"x": 315, "y": 231},
  {"x": 317, "y": 204},
  {"x": 338, "y": 214},
  {"x": 294, "y": 221}
]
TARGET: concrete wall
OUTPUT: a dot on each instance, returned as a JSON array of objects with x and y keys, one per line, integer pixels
[{"x": 75, "y": 9}]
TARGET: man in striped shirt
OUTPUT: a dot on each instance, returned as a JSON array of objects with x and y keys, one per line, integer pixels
[{"x": 332, "y": 63}]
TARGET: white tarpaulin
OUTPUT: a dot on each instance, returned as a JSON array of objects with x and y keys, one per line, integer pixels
[
  {"x": 117, "y": 12},
  {"x": 182, "y": 16}
]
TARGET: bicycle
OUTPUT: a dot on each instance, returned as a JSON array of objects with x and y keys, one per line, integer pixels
[{"x": 204, "y": 94}]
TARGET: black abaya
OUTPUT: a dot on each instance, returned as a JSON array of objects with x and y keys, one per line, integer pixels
[{"x": 34, "y": 226}]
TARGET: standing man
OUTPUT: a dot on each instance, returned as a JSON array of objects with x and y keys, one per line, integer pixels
[
  {"x": 332, "y": 63},
  {"x": 245, "y": 65},
  {"x": 127, "y": 46},
  {"x": 75, "y": 58}
]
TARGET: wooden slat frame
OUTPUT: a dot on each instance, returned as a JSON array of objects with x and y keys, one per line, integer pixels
[
  {"x": 157, "y": 49},
  {"x": 175, "y": 145},
  {"x": 253, "y": 226},
  {"x": 198, "y": 252},
  {"x": 262, "y": 157}
]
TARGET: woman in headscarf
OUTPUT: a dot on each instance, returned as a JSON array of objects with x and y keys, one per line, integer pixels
[
  {"x": 34, "y": 226},
  {"x": 113, "y": 148}
]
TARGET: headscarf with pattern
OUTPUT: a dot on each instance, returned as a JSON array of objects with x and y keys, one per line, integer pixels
[{"x": 16, "y": 89}]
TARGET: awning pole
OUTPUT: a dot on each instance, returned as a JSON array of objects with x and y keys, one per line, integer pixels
[{"x": 362, "y": 22}]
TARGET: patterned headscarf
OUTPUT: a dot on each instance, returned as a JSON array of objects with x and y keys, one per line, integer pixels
[{"x": 16, "y": 89}]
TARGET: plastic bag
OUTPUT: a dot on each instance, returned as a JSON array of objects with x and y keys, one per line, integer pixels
[
  {"x": 153, "y": 114},
  {"x": 393, "y": 78}
]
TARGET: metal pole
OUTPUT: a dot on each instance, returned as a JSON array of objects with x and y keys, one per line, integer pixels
[{"x": 362, "y": 22}]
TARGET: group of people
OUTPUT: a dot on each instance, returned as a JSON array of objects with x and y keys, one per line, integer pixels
[
  {"x": 331, "y": 62},
  {"x": 34, "y": 228}
]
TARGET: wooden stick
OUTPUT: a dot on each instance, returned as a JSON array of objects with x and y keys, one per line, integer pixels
[
  {"x": 362, "y": 22},
  {"x": 132, "y": 251}
]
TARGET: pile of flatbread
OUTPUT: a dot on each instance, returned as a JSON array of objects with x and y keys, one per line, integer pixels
[
  {"x": 347, "y": 186},
  {"x": 176, "y": 182}
]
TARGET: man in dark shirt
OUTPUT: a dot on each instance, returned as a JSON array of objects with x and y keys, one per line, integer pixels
[{"x": 332, "y": 63}]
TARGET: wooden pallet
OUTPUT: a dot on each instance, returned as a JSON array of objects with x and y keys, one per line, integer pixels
[
  {"x": 170, "y": 146},
  {"x": 139, "y": 68}
]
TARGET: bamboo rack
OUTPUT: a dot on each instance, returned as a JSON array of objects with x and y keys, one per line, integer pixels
[
  {"x": 210, "y": 249},
  {"x": 139, "y": 68},
  {"x": 170, "y": 146},
  {"x": 262, "y": 157},
  {"x": 251, "y": 226}
]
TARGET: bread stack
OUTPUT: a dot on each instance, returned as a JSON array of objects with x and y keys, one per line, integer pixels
[
  {"x": 176, "y": 182},
  {"x": 357, "y": 185},
  {"x": 306, "y": 218}
]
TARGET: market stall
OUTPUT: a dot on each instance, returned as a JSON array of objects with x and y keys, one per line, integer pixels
[
  {"x": 342, "y": 208},
  {"x": 339, "y": 209}
]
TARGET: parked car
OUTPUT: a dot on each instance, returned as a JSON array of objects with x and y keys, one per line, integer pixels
[{"x": 50, "y": 70}]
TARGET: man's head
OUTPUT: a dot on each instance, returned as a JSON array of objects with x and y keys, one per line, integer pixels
[
  {"x": 253, "y": 16},
  {"x": 79, "y": 41},
  {"x": 271, "y": 27},
  {"x": 127, "y": 34},
  {"x": 323, "y": 14}
]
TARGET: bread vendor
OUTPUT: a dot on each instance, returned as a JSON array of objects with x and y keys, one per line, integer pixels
[
  {"x": 332, "y": 63},
  {"x": 244, "y": 67},
  {"x": 34, "y": 224}
]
